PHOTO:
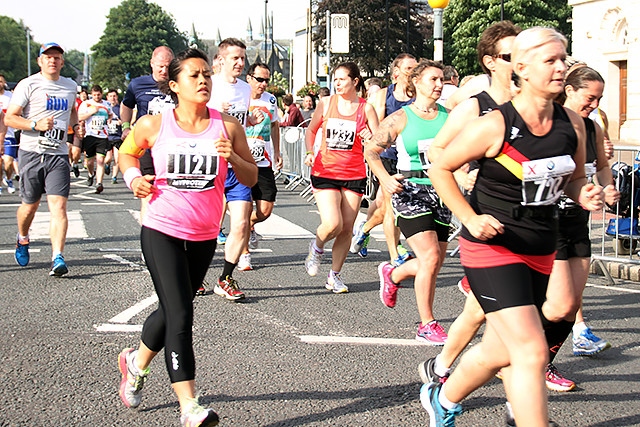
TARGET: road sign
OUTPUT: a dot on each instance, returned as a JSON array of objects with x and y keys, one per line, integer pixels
[{"x": 339, "y": 33}]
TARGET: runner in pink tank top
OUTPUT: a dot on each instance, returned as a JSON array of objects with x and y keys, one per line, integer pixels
[{"x": 192, "y": 146}]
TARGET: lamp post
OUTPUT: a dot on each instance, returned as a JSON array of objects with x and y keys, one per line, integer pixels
[
  {"x": 28, "y": 30},
  {"x": 266, "y": 30},
  {"x": 438, "y": 48}
]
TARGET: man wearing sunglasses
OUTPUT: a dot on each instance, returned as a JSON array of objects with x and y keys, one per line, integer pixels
[{"x": 264, "y": 142}]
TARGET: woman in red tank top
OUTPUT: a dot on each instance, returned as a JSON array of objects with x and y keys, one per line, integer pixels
[{"x": 338, "y": 172}]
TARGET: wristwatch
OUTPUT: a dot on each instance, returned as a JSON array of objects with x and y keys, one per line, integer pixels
[{"x": 33, "y": 125}]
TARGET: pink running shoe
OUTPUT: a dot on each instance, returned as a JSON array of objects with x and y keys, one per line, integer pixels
[
  {"x": 431, "y": 333},
  {"x": 555, "y": 381},
  {"x": 388, "y": 289}
]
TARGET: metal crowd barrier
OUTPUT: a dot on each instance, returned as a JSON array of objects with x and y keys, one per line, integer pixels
[
  {"x": 295, "y": 172},
  {"x": 614, "y": 237}
]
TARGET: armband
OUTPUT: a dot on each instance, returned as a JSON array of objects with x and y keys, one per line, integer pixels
[
  {"x": 308, "y": 152},
  {"x": 130, "y": 174},
  {"x": 77, "y": 125},
  {"x": 126, "y": 125},
  {"x": 129, "y": 146}
]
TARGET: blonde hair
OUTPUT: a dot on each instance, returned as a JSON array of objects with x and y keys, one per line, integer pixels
[{"x": 531, "y": 39}]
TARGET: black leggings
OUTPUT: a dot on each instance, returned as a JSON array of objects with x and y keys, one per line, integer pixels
[{"x": 177, "y": 269}]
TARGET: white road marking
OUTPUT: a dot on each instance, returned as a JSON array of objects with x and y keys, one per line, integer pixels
[
  {"x": 13, "y": 251},
  {"x": 40, "y": 226},
  {"x": 123, "y": 261},
  {"x": 135, "y": 214},
  {"x": 96, "y": 200},
  {"x": 277, "y": 227},
  {"x": 130, "y": 312},
  {"x": 615, "y": 288},
  {"x": 319, "y": 339},
  {"x": 106, "y": 327}
]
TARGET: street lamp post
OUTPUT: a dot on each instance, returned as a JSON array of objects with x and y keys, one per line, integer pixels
[
  {"x": 28, "y": 30},
  {"x": 438, "y": 46},
  {"x": 266, "y": 30}
]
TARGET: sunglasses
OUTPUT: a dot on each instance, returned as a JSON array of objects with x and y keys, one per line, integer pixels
[
  {"x": 503, "y": 56},
  {"x": 260, "y": 79}
]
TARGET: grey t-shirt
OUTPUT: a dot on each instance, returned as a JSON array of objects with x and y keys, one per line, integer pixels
[{"x": 40, "y": 98}]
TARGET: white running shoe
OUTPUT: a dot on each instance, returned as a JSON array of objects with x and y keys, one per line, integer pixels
[
  {"x": 312, "y": 263},
  {"x": 335, "y": 283},
  {"x": 9, "y": 183},
  {"x": 244, "y": 262},
  {"x": 197, "y": 416}
]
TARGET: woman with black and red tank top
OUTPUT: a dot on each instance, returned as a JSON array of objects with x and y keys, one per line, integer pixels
[
  {"x": 193, "y": 145},
  {"x": 529, "y": 150},
  {"x": 583, "y": 89},
  {"x": 338, "y": 172},
  {"x": 494, "y": 52}
]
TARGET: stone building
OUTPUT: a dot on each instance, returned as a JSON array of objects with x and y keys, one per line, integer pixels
[{"x": 606, "y": 35}]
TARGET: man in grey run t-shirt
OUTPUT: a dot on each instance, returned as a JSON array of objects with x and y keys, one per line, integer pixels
[{"x": 43, "y": 106}]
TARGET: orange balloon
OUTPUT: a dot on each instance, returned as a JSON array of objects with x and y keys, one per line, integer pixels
[{"x": 438, "y": 4}]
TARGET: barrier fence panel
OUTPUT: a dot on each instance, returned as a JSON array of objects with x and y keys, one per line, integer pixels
[{"x": 614, "y": 230}]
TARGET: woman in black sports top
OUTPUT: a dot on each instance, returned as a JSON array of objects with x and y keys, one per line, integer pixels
[{"x": 529, "y": 150}]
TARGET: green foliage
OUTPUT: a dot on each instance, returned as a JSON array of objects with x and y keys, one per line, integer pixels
[
  {"x": 134, "y": 29},
  {"x": 278, "y": 85},
  {"x": 465, "y": 20},
  {"x": 368, "y": 25},
  {"x": 13, "y": 57},
  {"x": 73, "y": 64},
  {"x": 311, "y": 88}
]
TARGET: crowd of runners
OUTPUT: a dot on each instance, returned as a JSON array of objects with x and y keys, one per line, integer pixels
[{"x": 516, "y": 154}]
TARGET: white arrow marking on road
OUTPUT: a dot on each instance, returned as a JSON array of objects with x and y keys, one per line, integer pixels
[
  {"x": 13, "y": 251},
  {"x": 96, "y": 200},
  {"x": 126, "y": 315},
  {"x": 319, "y": 339}
]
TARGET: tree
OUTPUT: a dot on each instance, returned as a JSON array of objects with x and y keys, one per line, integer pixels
[
  {"x": 134, "y": 29},
  {"x": 465, "y": 20},
  {"x": 368, "y": 26},
  {"x": 13, "y": 59}
]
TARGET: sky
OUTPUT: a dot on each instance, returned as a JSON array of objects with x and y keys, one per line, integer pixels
[{"x": 78, "y": 24}]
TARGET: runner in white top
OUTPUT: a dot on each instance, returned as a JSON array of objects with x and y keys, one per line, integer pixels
[
  {"x": 43, "y": 106},
  {"x": 96, "y": 112},
  {"x": 264, "y": 142},
  {"x": 231, "y": 95}
]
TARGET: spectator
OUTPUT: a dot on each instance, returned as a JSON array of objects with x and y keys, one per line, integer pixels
[{"x": 292, "y": 116}]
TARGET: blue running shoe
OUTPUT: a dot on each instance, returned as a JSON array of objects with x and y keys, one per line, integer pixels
[
  {"x": 404, "y": 253},
  {"x": 22, "y": 254},
  {"x": 222, "y": 238},
  {"x": 398, "y": 261},
  {"x": 588, "y": 344},
  {"x": 360, "y": 239},
  {"x": 58, "y": 266},
  {"x": 438, "y": 415},
  {"x": 363, "y": 252}
]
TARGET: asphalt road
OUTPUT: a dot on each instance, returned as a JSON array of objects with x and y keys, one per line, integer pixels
[{"x": 259, "y": 362}]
